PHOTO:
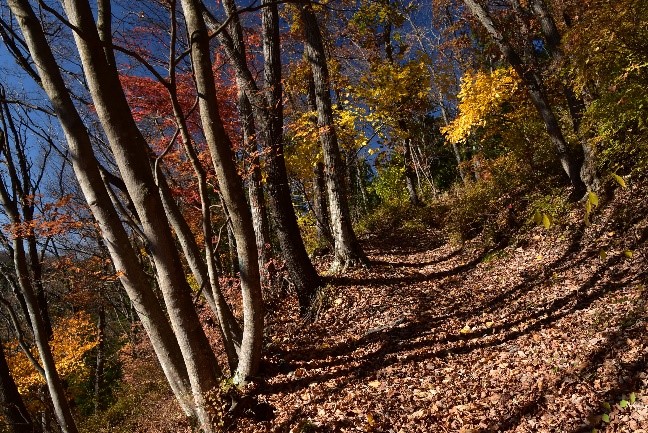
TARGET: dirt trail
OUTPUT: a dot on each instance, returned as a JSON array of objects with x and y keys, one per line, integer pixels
[{"x": 546, "y": 335}]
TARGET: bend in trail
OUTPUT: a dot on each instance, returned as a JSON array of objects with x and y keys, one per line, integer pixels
[{"x": 434, "y": 337}]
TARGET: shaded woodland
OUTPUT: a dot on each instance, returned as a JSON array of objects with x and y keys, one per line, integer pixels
[{"x": 300, "y": 216}]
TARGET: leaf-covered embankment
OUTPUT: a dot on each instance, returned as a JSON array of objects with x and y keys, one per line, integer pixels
[{"x": 547, "y": 334}]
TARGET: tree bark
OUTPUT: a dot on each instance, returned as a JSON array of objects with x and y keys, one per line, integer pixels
[
  {"x": 203, "y": 270},
  {"x": 255, "y": 193},
  {"x": 537, "y": 94},
  {"x": 410, "y": 176},
  {"x": 87, "y": 172},
  {"x": 301, "y": 270},
  {"x": 347, "y": 251},
  {"x": 255, "y": 182},
  {"x": 13, "y": 407},
  {"x": 232, "y": 192},
  {"x": 130, "y": 151},
  {"x": 320, "y": 207},
  {"x": 302, "y": 273},
  {"x": 12, "y": 196},
  {"x": 575, "y": 104}
]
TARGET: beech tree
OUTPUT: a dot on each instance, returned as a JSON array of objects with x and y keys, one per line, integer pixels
[
  {"x": 267, "y": 106},
  {"x": 537, "y": 93},
  {"x": 184, "y": 353},
  {"x": 347, "y": 249},
  {"x": 17, "y": 195}
]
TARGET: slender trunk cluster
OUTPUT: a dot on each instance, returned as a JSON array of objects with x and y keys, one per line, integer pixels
[
  {"x": 268, "y": 116},
  {"x": 189, "y": 376},
  {"x": 232, "y": 192},
  {"x": 172, "y": 322},
  {"x": 347, "y": 249},
  {"x": 537, "y": 94}
]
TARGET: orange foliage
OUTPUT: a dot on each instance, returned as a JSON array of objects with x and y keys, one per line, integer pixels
[{"x": 73, "y": 337}]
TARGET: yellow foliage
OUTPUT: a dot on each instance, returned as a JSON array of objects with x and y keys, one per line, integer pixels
[
  {"x": 73, "y": 338},
  {"x": 395, "y": 93},
  {"x": 302, "y": 158},
  {"x": 481, "y": 95}
]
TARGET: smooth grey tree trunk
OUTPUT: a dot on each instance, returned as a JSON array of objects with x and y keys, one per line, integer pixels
[
  {"x": 203, "y": 269},
  {"x": 18, "y": 170},
  {"x": 255, "y": 193},
  {"x": 130, "y": 151},
  {"x": 205, "y": 272},
  {"x": 117, "y": 242},
  {"x": 303, "y": 275},
  {"x": 232, "y": 192},
  {"x": 537, "y": 94},
  {"x": 347, "y": 250},
  {"x": 10, "y": 196},
  {"x": 250, "y": 143}
]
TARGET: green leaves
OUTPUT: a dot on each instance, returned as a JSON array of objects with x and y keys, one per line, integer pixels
[
  {"x": 591, "y": 203},
  {"x": 619, "y": 180},
  {"x": 542, "y": 219},
  {"x": 546, "y": 221}
]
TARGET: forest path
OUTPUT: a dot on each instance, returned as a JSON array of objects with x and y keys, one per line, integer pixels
[{"x": 434, "y": 338}]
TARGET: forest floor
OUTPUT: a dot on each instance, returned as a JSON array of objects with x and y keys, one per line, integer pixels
[{"x": 548, "y": 334}]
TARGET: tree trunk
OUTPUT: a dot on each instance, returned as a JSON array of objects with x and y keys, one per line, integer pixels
[
  {"x": 205, "y": 271},
  {"x": 10, "y": 197},
  {"x": 54, "y": 385},
  {"x": 347, "y": 248},
  {"x": 206, "y": 278},
  {"x": 236, "y": 51},
  {"x": 410, "y": 179},
  {"x": 100, "y": 359},
  {"x": 231, "y": 245},
  {"x": 536, "y": 92},
  {"x": 255, "y": 193},
  {"x": 37, "y": 275},
  {"x": 575, "y": 104},
  {"x": 19, "y": 173},
  {"x": 87, "y": 172},
  {"x": 232, "y": 192},
  {"x": 13, "y": 407},
  {"x": 320, "y": 207},
  {"x": 130, "y": 151},
  {"x": 302, "y": 273}
]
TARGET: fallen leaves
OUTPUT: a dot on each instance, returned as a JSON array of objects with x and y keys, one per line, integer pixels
[{"x": 435, "y": 340}]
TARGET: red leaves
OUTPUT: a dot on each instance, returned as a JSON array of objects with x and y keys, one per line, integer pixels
[{"x": 54, "y": 219}]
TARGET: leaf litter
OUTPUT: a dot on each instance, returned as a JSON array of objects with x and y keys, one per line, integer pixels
[{"x": 544, "y": 336}]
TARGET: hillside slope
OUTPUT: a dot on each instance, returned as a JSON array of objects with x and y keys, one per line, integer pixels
[{"x": 547, "y": 334}]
